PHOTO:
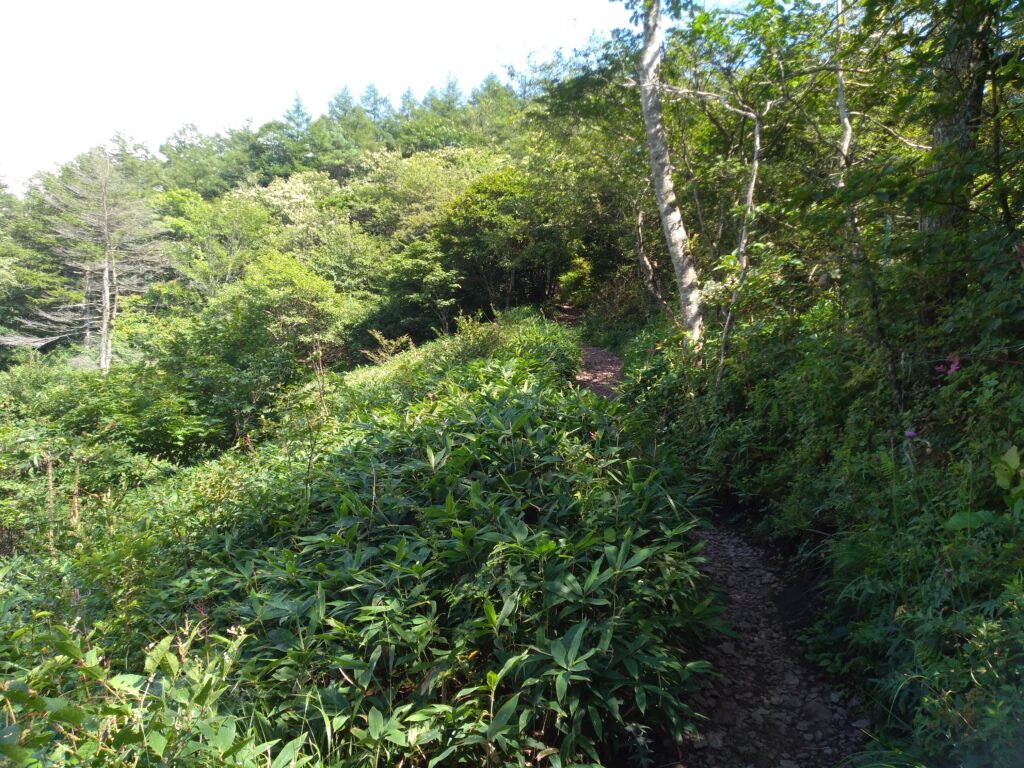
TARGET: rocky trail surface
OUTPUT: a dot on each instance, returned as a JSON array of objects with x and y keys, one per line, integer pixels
[{"x": 766, "y": 706}]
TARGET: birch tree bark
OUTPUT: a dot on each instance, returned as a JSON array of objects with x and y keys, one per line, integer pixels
[
  {"x": 676, "y": 238},
  {"x": 742, "y": 246},
  {"x": 749, "y": 209}
]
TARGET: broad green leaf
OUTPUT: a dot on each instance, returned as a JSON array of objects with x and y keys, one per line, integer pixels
[
  {"x": 443, "y": 755},
  {"x": 638, "y": 557},
  {"x": 224, "y": 737},
  {"x": 375, "y": 723},
  {"x": 561, "y": 685},
  {"x": 157, "y": 653},
  {"x": 19, "y": 756},
  {"x": 558, "y": 652},
  {"x": 575, "y": 637},
  {"x": 641, "y": 699},
  {"x": 68, "y": 648},
  {"x": 1011, "y": 458},
  {"x": 968, "y": 520},
  {"x": 70, "y": 714},
  {"x": 502, "y": 716},
  {"x": 396, "y": 736},
  {"x": 157, "y": 742},
  {"x": 286, "y": 758}
]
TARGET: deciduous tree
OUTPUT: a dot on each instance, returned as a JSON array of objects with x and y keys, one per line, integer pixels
[{"x": 676, "y": 237}]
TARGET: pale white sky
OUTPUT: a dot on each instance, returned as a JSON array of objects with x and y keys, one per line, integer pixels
[{"x": 74, "y": 72}]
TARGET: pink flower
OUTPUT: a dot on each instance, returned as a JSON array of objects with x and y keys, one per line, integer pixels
[{"x": 951, "y": 366}]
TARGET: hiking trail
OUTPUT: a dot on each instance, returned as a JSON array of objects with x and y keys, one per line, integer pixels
[{"x": 766, "y": 706}]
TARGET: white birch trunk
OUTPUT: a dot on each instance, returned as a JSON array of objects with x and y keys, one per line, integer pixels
[{"x": 676, "y": 238}]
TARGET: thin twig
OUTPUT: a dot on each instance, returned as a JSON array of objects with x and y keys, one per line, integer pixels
[{"x": 887, "y": 129}]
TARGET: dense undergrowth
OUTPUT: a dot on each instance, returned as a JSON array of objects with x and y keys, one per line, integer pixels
[
  {"x": 913, "y": 520},
  {"x": 452, "y": 558}
]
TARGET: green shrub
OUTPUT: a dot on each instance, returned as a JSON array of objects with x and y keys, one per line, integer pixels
[
  {"x": 62, "y": 705},
  {"x": 458, "y": 562}
]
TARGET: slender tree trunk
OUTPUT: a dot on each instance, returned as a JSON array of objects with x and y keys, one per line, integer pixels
[
  {"x": 741, "y": 247},
  {"x": 510, "y": 289},
  {"x": 51, "y": 503},
  {"x": 858, "y": 259},
  {"x": 698, "y": 207},
  {"x": 676, "y": 237},
  {"x": 647, "y": 273},
  {"x": 320, "y": 372},
  {"x": 105, "y": 316},
  {"x": 76, "y": 504},
  {"x": 86, "y": 319},
  {"x": 115, "y": 299}
]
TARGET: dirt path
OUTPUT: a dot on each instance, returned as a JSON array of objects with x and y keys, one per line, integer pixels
[
  {"x": 766, "y": 707},
  {"x": 601, "y": 372}
]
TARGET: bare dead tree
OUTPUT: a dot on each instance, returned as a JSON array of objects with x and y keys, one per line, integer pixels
[{"x": 106, "y": 235}]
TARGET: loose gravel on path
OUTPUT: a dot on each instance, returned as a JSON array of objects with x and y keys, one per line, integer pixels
[{"x": 767, "y": 707}]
